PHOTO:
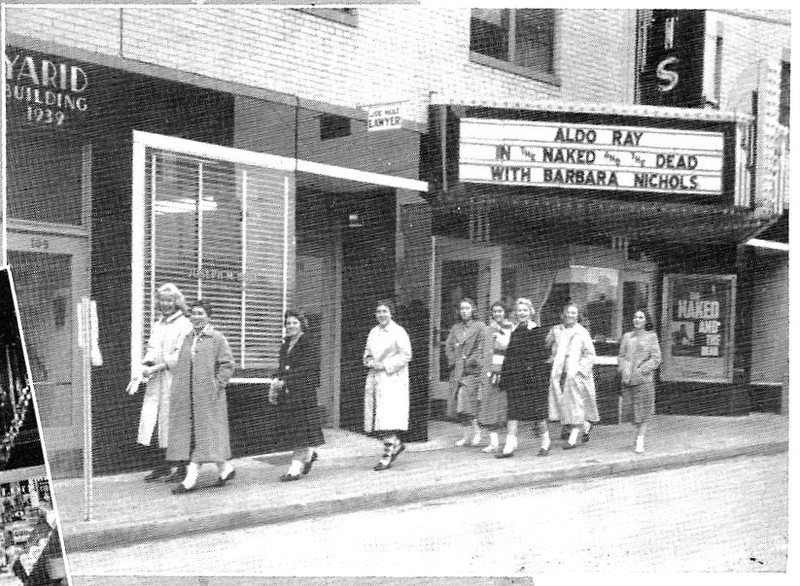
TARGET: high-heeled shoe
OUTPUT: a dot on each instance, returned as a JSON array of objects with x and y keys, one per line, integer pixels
[
  {"x": 569, "y": 446},
  {"x": 181, "y": 489},
  {"x": 543, "y": 452},
  {"x": 307, "y": 465},
  {"x": 585, "y": 434},
  {"x": 289, "y": 477},
  {"x": 221, "y": 481},
  {"x": 397, "y": 451},
  {"x": 383, "y": 464},
  {"x": 509, "y": 448}
]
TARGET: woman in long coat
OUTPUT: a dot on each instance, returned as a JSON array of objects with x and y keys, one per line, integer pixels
[
  {"x": 198, "y": 419},
  {"x": 386, "y": 394},
  {"x": 294, "y": 391},
  {"x": 493, "y": 404},
  {"x": 639, "y": 357},
  {"x": 572, "y": 391},
  {"x": 465, "y": 353},
  {"x": 524, "y": 378},
  {"x": 160, "y": 359}
]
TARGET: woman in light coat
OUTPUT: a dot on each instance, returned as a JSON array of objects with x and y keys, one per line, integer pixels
[
  {"x": 639, "y": 357},
  {"x": 465, "y": 353},
  {"x": 198, "y": 418},
  {"x": 572, "y": 391},
  {"x": 386, "y": 393},
  {"x": 160, "y": 358}
]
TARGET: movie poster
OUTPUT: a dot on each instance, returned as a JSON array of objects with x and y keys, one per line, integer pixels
[{"x": 697, "y": 336}]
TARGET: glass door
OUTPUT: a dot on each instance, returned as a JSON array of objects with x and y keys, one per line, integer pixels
[
  {"x": 50, "y": 273},
  {"x": 463, "y": 269}
]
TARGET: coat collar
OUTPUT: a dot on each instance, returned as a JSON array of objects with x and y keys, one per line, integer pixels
[
  {"x": 208, "y": 330},
  {"x": 168, "y": 319}
]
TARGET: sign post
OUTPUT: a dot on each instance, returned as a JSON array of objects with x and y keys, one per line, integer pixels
[{"x": 87, "y": 326}]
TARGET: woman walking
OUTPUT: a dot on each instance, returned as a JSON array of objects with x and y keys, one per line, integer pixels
[
  {"x": 639, "y": 357},
  {"x": 465, "y": 354},
  {"x": 294, "y": 391},
  {"x": 572, "y": 392},
  {"x": 198, "y": 418},
  {"x": 524, "y": 378},
  {"x": 160, "y": 359},
  {"x": 493, "y": 404},
  {"x": 386, "y": 395}
]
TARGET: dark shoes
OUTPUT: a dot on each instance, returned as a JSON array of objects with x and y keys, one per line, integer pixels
[
  {"x": 585, "y": 435},
  {"x": 178, "y": 476},
  {"x": 564, "y": 433},
  {"x": 221, "y": 481},
  {"x": 181, "y": 489},
  {"x": 382, "y": 465},
  {"x": 543, "y": 452},
  {"x": 307, "y": 465},
  {"x": 158, "y": 472},
  {"x": 397, "y": 451},
  {"x": 289, "y": 477},
  {"x": 569, "y": 446}
]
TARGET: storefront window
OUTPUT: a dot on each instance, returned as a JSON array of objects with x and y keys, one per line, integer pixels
[
  {"x": 216, "y": 229},
  {"x": 606, "y": 297}
]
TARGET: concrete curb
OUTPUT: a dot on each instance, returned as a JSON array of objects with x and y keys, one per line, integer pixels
[{"x": 97, "y": 535}]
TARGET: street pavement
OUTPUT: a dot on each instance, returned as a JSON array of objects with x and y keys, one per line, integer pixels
[
  {"x": 125, "y": 510},
  {"x": 721, "y": 516}
]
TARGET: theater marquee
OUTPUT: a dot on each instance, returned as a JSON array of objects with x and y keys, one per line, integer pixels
[{"x": 589, "y": 156}]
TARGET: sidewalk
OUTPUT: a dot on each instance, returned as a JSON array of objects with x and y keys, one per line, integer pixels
[{"x": 127, "y": 510}]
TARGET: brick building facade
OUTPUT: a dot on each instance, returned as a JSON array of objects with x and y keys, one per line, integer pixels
[{"x": 365, "y": 214}]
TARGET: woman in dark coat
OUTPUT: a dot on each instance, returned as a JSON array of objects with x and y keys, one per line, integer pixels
[
  {"x": 294, "y": 391},
  {"x": 525, "y": 378},
  {"x": 198, "y": 414}
]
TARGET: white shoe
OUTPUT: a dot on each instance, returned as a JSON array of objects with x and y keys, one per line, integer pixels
[
  {"x": 511, "y": 445},
  {"x": 476, "y": 440},
  {"x": 639, "y": 449},
  {"x": 494, "y": 444},
  {"x": 461, "y": 443}
]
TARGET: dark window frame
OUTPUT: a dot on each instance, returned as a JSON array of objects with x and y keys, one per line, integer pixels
[
  {"x": 347, "y": 16},
  {"x": 549, "y": 77}
]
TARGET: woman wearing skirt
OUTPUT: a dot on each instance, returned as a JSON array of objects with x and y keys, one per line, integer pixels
[{"x": 639, "y": 357}]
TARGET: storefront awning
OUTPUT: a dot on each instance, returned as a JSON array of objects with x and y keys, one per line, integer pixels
[{"x": 517, "y": 212}]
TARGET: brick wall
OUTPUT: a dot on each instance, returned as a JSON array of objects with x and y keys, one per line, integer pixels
[{"x": 395, "y": 53}]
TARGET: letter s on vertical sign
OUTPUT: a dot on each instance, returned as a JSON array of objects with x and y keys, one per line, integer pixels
[{"x": 668, "y": 79}]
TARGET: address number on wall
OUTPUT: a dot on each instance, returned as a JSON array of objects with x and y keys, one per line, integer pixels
[{"x": 40, "y": 243}]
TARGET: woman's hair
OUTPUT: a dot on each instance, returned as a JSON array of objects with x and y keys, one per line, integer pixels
[
  {"x": 648, "y": 322},
  {"x": 471, "y": 304},
  {"x": 298, "y": 315},
  {"x": 385, "y": 303},
  {"x": 177, "y": 295},
  {"x": 528, "y": 302},
  {"x": 204, "y": 304},
  {"x": 499, "y": 304}
]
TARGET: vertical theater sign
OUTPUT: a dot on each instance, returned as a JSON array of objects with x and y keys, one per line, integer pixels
[{"x": 697, "y": 328}]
